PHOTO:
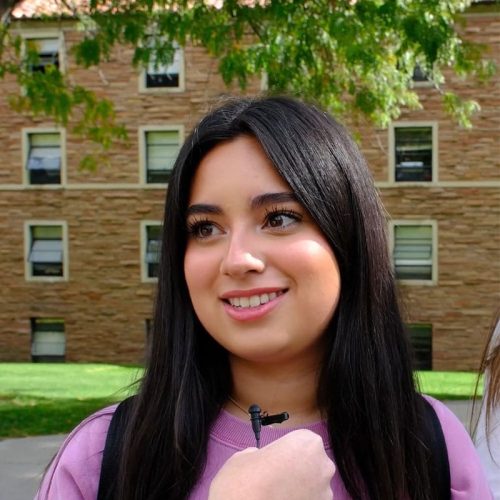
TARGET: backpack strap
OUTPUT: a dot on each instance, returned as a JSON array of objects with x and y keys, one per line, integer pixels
[
  {"x": 112, "y": 451},
  {"x": 438, "y": 452}
]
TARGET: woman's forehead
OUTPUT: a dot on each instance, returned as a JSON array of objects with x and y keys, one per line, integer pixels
[{"x": 239, "y": 166}]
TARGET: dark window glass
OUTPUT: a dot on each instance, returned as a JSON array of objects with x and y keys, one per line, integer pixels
[
  {"x": 48, "y": 53},
  {"x": 162, "y": 75},
  {"x": 44, "y": 158},
  {"x": 413, "y": 154},
  {"x": 158, "y": 80},
  {"x": 421, "y": 340},
  {"x": 162, "y": 147},
  {"x": 46, "y": 254},
  {"x": 48, "y": 340},
  {"x": 413, "y": 252},
  {"x": 153, "y": 234},
  {"x": 419, "y": 75}
]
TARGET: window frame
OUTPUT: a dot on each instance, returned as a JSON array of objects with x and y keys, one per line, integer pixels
[
  {"x": 420, "y": 83},
  {"x": 145, "y": 278},
  {"x": 144, "y": 89},
  {"x": 434, "y": 264},
  {"x": 44, "y": 34},
  {"x": 35, "y": 358},
  {"x": 408, "y": 328},
  {"x": 28, "y": 274},
  {"x": 143, "y": 130},
  {"x": 433, "y": 125},
  {"x": 26, "y": 148}
]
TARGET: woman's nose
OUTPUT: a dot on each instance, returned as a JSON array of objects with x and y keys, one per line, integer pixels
[{"x": 242, "y": 256}]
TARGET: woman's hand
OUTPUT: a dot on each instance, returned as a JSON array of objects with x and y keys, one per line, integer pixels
[{"x": 294, "y": 467}]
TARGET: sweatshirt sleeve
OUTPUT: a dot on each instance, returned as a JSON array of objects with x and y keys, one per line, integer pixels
[
  {"x": 468, "y": 481},
  {"x": 74, "y": 472}
]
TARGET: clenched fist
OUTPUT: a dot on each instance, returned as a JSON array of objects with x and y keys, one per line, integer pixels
[{"x": 294, "y": 467}]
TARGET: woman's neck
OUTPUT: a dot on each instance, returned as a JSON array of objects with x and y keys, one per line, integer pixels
[{"x": 275, "y": 388}]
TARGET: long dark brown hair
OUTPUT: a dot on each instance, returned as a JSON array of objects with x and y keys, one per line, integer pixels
[
  {"x": 489, "y": 367},
  {"x": 375, "y": 416}
]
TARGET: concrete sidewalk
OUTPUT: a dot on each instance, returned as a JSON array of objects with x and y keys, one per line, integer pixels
[
  {"x": 23, "y": 460},
  {"x": 22, "y": 463}
]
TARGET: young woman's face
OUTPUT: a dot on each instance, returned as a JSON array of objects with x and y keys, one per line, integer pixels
[{"x": 262, "y": 278}]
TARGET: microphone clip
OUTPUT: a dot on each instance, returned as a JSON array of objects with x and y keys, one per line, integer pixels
[{"x": 259, "y": 419}]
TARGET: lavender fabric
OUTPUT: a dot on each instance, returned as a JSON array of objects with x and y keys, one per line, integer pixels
[{"x": 74, "y": 473}]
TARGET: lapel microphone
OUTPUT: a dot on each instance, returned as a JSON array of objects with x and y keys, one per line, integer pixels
[{"x": 258, "y": 419}]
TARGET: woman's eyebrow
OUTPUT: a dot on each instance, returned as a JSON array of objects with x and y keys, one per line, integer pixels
[
  {"x": 203, "y": 208},
  {"x": 258, "y": 201},
  {"x": 271, "y": 198}
]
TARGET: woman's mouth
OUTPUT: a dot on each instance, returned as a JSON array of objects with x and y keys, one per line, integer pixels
[
  {"x": 252, "y": 306},
  {"x": 253, "y": 300}
]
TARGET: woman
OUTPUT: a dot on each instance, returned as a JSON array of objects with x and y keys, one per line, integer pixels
[
  {"x": 275, "y": 287},
  {"x": 487, "y": 436}
]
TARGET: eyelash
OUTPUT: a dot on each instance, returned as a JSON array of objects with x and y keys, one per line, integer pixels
[
  {"x": 275, "y": 211},
  {"x": 194, "y": 226}
]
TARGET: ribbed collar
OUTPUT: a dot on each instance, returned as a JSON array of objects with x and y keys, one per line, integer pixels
[{"x": 238, "y": 433}]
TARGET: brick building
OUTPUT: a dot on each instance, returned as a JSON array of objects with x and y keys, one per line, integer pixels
[{"x": 78, "y": 248}]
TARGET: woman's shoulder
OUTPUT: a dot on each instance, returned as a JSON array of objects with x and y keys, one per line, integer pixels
[
  {"x": 74, "y": 471},
  {"x": 456, "y": 436},
  {"x": 89, "y": 435},
  {"x": 467, "y": 476}
]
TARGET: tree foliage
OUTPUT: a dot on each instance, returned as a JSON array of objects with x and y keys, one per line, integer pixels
[{"x": 355, "y": 57}]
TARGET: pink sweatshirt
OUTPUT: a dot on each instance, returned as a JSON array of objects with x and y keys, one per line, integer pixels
[{"x": 74, "y": 473}]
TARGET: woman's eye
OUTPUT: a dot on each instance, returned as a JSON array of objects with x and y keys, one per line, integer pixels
[
  {"x": 202, "y": 230},
  {"x": 282, "y": 219}
]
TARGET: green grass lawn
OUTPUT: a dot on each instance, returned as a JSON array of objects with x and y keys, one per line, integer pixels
[
  {"x": 39, "y": 398},
  {"x": 449, "y": 385}
]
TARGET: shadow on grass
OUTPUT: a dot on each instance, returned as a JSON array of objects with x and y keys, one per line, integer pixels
[{"x": 28, "y": 416}]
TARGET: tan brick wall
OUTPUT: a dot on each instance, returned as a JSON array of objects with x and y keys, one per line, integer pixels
[
  {"x": 105, "y": 304},
  {"x": 461, "y": 305}
]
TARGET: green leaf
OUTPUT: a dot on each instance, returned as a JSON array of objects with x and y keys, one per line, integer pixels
[{"x": 88, "y": 52}]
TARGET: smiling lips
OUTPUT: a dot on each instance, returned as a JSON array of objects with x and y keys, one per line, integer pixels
[
  {"x": 252, "y": 305},
  {"x": 253, "y": 300}
]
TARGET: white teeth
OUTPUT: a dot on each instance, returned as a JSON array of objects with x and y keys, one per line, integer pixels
[{"x": 252, "y": 301}]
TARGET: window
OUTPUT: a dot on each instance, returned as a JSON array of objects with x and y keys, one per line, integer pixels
[
  {"x": 151, "y": 238},
  {"x": 153, "y": 250},
  {"x": 419, "y": 74},
  {"x": 414, "y": 152},
  {"x": 48, "y": 340},
  {"x": 164, "y": 77},
  {"x": 45, "y": 251},
  {"x": 414, "y": 252},
  {"x": 421, "y": 340},
  {"x": 43, "y": 157},
  {"x": 160, "y": 153},
  {"x": 47, "y": 50},
  {"x": 159, "y": 75},
  {"x": 147, "y": 327}
]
